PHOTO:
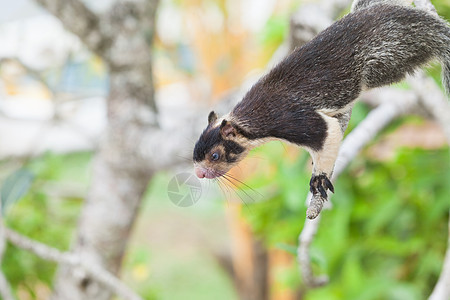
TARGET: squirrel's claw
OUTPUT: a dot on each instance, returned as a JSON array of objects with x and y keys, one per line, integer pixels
[
  {"x": 329, "y": 185},
  {"x": 320, "y": 184}
]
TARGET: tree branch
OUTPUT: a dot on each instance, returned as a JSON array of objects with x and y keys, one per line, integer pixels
[
  {"x": 80, "y": 20},
  {"x": 74, "y": 261},
  {"x": 303, "y": 258},
  {"x": 5, "y": 287},
  {"x": 396, "y": 104},
  {"x": 433, "y": 100},
  {"x": 31, "y": 71},
  {"x": 442, "y": 289}
]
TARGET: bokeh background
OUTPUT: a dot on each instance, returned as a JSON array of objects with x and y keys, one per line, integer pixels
[{"x": 385, "y": 237}]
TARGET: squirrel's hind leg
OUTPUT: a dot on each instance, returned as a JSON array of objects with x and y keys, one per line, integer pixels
[{"x": 324, "y": 158}]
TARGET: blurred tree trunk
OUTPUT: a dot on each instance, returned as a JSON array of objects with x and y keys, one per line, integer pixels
[
  {"x": 122, "y": 37},
  {"x": 248, "y": 257}
]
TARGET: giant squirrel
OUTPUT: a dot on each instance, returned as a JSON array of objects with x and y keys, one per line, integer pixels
[{"x": 308, "y": 97}]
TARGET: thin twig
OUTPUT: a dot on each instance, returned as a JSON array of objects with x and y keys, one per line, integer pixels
[
  {"x": 73, "y": 260},
  {"x": 304, "y": 241},
  {"x": 441, "y": 290},
  {"x": 30, "y": 71},
  {"x": 5, "y": 287},
  {"x": 79, "y": 19}
]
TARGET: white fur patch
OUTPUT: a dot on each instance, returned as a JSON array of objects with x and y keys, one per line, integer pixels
[
  {"x": 325, "y": 158},
  {"x": 331, "y": 112}
]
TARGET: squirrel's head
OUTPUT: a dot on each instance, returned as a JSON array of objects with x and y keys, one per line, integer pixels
[{"x": 220, "y": 147}]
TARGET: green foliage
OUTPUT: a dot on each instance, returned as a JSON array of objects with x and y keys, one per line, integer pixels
[
  {"x": 14, "y": 187},
  {"x": 281, "y": 206},
  {"x": 388, "y": 227},
  {"x": 275, "y": 31},
  {"x": 385, "y": 236},
  {"x": 43, "y": 216},
  {"x": 443, "y": 8}
]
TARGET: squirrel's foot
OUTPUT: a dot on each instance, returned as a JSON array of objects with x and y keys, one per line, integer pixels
[{"x": 319, "y": 184}]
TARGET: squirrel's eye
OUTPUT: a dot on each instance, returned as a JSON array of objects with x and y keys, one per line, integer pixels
[{"x": 215, "y": 156}]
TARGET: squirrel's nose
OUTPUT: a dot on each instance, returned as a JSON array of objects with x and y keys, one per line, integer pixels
[{"x": 200, "y": 172}]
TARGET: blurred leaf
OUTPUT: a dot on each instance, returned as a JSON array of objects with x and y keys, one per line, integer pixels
[
  {"x": 383, "y": 214},
  {"x": 404, "y": 291},
  {"x": 318, "y": 258},
  {"x": 288, "y": 248},
  {"x": 15, "y": 187},
  {"x": 45, "y": 217},
  {"x": 275, "y": 30}
]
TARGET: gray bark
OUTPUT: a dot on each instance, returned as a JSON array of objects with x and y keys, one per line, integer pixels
[
  {"x": 70, "y": 259},
  {"x": 122, "y": 37}
]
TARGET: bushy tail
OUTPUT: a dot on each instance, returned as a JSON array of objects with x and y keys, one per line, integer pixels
[
  {"x": 441, "y": 38},
  {"x": 446, "y": 74},
  {"x": 444, "y": 56}
]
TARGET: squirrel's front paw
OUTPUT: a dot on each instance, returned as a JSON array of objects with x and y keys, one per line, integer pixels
[{"x": 320, "y": 184}]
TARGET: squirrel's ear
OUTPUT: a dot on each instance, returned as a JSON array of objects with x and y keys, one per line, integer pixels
[
  {"x": 212, "y": 117},
  {"x": 227, "y": 129}
]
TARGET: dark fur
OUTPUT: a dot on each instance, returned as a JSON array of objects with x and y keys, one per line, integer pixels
[
  {"x": 208, "y": 139},
  {"x": 378, "y": 44},
  {"x": 232, "y": 148},
  {"x": 212, "y": 137},
  {"x": 331, "y": 70}
]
